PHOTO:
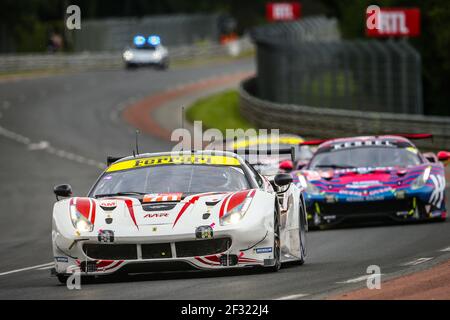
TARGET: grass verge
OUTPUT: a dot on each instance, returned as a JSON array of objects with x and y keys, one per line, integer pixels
[{"x": 220, "y": 111}]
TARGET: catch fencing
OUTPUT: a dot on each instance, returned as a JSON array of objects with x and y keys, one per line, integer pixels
[
  {"x": 307, "y": 64},
  {"x": 319, "y": 122}
]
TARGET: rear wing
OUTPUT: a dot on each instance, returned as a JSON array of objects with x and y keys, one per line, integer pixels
[
  {"x": 313, "y": 142},
  {"x": 269, "y": 151},
  {"x": 110, "y": 160},
  {"x": 415, "y": 136}
]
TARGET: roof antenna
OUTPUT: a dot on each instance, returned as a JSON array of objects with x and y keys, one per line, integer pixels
[
  {"x": 182, "y": 117},
  {"x": 137, "y": 142},
  {"x": 182, "y": 127}
]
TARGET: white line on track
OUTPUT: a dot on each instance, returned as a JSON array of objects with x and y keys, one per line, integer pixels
[
  {"x": 445, "y": 249},
  {"x": 46, "y": 147},
  {"x": 293, "y": 296},
  {"x": 28, "y": 268},
  {"x": 47, "y": 268},
  {"x": 415, "y": 262},
  {"x": 358, "y": 279}
]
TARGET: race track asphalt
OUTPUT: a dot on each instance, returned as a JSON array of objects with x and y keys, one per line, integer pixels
[{"x": 60, "y": 129}]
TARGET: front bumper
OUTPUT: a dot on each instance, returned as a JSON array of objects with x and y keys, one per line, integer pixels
[
  {"x": 146, "y": 62},
  {"x": 229, "y": 248},
  {"x": 329, "y": 210}
]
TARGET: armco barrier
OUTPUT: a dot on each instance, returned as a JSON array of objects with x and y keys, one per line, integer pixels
[
  {"x": 87, "y": 60},
  {"x": 330, "y": 123}
]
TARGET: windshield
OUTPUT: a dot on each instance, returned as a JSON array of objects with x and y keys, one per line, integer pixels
[
  {"x": 365, "y": 157},
  {"x": 187, "y": 179}
]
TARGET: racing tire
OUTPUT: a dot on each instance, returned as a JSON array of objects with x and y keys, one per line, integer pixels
[
  {"x": 62, "y": 278},
  {"x": 302, "y": 235},
  {"x": 276, "y": 244}
]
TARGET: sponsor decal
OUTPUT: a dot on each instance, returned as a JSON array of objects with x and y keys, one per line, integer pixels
[
  {"x": 365, "y": 183},
  {"x": 174, "y": 160},
  {"x": 263, "y": 250},
  {"x": 435, "y": 214},
  {"x": 365, "y": 192},
  {"x": 161, "y": 197},
  {"x": 392, "y": 22},
  {"x": 283, "y": 11},
  {"x": 105, "y": 236},
  {"x": 62, "y": 259},
  {"x": 108, "y": 205},
  {"x": 156, "y": 215},
  {"x": 363, "y": 143}
]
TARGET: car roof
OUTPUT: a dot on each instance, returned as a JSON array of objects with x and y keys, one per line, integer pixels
[
  {"x": 391, "y": 138},
  {"x": 182, "y": 153}
]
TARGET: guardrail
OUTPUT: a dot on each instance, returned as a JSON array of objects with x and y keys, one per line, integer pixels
[
  {"x": 331, "y": 123},
  {"x": 88, "y": 60}
]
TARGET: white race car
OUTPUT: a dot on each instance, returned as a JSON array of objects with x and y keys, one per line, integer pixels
[
  {"x": 268, "y": 165},
  {"x": 146, "y": 52},
  {"x": 177, "y": 211}
]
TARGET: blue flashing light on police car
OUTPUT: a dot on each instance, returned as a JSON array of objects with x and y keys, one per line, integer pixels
[
  {"x": 139, "y": 40},
  {"x": 154, "y": 40}
]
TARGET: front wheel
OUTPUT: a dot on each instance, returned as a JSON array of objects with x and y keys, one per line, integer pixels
[
  {"x": 62, "y": 278},
  {"x": 303, "y": 227},
  {"x": 276, "y": 244}
]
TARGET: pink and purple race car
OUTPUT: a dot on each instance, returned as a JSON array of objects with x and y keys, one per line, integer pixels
[{"x": 373, "y": 177}]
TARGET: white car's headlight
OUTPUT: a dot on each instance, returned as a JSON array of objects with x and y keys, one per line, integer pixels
[
  {"x": 79, "y": 221},
  {"x": 422, "y": 179},
  {"x": 236, "y": 214},
  {"x": 128, "y": 55},
  {"x": 157, "y": 55}
]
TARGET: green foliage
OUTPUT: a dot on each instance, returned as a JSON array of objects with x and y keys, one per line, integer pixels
[{"x": 220, "y": 111}]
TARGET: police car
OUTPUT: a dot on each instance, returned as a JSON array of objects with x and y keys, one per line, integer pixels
[{"x": 146, "y": 52}]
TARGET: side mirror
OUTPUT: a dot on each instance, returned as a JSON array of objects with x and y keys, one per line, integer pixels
[
  {"x": 62, "y": 190},
  {"x": 286, "y": 165},
  {"x": 282, "y": 179},
  {"x": 443, "y": 156}
]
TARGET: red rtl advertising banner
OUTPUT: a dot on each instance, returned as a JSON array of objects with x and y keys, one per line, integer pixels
[
  {"x": 392, "y": 22},
  {"x": 283, "y": 11}
]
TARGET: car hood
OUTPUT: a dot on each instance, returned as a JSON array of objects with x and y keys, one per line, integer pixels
[
  {"x": 361, "y": 178},
  {"x": 159, "y": 209}
]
